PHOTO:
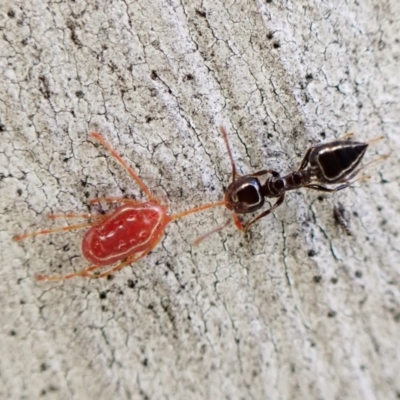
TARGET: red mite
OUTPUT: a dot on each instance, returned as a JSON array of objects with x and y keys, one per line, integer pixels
[{"x": 125, "y": 235}]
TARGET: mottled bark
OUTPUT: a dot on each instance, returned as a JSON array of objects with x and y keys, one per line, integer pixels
[{"x": 297, "y": 309}]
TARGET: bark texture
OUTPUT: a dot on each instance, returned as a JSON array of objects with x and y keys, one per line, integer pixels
[{"x": 297, "y": 309}]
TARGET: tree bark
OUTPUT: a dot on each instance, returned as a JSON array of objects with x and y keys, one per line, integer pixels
[{"x": 296, "y": 309}]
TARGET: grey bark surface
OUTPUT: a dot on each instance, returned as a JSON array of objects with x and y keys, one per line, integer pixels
[{"x": 296, "y": 309}]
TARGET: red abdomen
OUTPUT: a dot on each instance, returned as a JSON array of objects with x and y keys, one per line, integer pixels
[{"x": 130, "y": 229}]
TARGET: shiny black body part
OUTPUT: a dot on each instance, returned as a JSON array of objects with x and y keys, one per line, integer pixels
[{"x": 333, "y": 163}]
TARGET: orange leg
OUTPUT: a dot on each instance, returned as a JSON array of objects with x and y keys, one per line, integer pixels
[
  {"x": 128, "y": 261},
  {"x": 72, "y": 215},
  {"x": 238, "y": 222},
  {"x": 86, "y": 272},
  {"x": 114, "y": 200},
  {"x": 55, "y": 230},
  {"x": 195, "y": 210},
  {"x": 127, "y": 168},
  {"x": 218, "y": 229}
]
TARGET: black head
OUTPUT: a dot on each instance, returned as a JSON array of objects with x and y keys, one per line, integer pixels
[{"x": 244, "y": 195}]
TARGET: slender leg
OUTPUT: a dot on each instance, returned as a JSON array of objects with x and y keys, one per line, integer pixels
[
  {"x": 265, "y": 172},
  {"x": 321, "y": 188},
  {"x": 225, "y": 136},
  {"x": 237, "y": 221},
  {"x": 118, "y": 267},
  {"x": 68, "y": 276},
  {"x": 375, "y": 140},
  {"x": 127, "y": 168},
  {"x": 55, "y": 230},
  {"x": 72, "y": 215},
  {"x": 88, "y": 272},
  {"x": 218, "y": 229},
  {"x": 305, "y": 160},
  {"x": 379, "y": 159},
  {"x": 345, "y": 183},
  {"x": 114, "y": 200},
  {"x": 346, "y": 136},
  {"x": 246, "y": 227},
  {"x": 194, "y": 210}
]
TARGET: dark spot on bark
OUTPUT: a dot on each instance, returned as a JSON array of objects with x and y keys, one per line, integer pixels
[
  {"x": 276, "y": 45},
  {"x": 189, "y": 77},
  {"x": 11, "y": 13},
  {"x": 268, "y": 1},
  {"x": 317, "y": 278},
  {"x": 148, "y": 119},
  {"x": 145, "y": 362},
  {"x": 331, "y": 314},
  {"x": 104, "y": 308},
  {"x": 43, "y": 392},
  {"x": 334, "y": 280},
  {"x": 360, "y": 105},
  {"x": 71, "y": 26},
  {"x": 13, "y": 333},
  {"x": 153, "y": 75},
  {"x": 311, "y": 253},
  {"x": 2, "y": 128},
  {"x": 201, "y": 13},
  {"x": 44, "y": 87},
  {"x": 66, "y": 247},
  {"x": 150, "y": 307},
  {"x": 320, "y": 198},
  {"x": 19, "y": 192},
  {"x": 110, "y": 277},
  {"x": 309, "y": 77},
  {"x": 358, "y": 274},
  {"x": 323, "y": 134},
  {"x": 79, "y": 94},
  {"x": 131, "y": 284},
  {"x": 103, "y": 295},
  {"x": 270, "y": 35},
  {"x": 43, "y": 367}
]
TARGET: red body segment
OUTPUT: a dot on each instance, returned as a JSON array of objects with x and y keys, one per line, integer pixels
[{"x": 129, "y": 230}]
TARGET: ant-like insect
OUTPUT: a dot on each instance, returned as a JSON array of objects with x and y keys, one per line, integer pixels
[
  {"x": 122, "y": 236},
  {"x": 330, "y": 163}
]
